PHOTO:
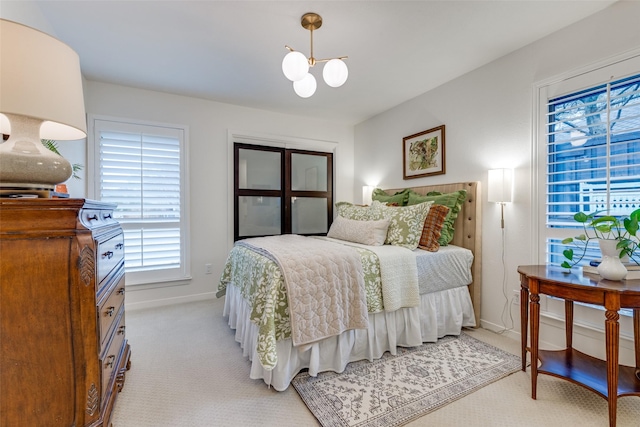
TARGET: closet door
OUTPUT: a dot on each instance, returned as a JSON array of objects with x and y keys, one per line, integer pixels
[
  {"x": 308, "y": 198},
  {"x": 259, "y": 184},
  {"x": 280, "y": 191}
]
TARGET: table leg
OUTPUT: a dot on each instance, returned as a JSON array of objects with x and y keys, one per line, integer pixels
[
  {"x": 612, "y": 329},
  {"x": 568, "y": 314},
  {"x": 534, "y": 318},
  {"x": 524, "y": 325},
  {"x": 636, "y": 339}
]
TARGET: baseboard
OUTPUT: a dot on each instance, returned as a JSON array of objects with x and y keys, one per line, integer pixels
[
  {"x": 512, "y": 333},
  {"x": 499, "y": 329},
  {"x": 585, "y": 339},
  {"x": 132, "y": 306}
]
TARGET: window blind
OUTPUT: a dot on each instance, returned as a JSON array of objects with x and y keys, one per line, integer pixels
[
  {"x": 593, "y": 156},
  {"x": 140, "y": 172}
]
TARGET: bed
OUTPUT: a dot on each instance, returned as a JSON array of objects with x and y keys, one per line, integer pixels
[{"x": 449, "y": 283}]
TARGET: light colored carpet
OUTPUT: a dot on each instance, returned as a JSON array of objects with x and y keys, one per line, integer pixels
[{"x": 187, "y": 370}]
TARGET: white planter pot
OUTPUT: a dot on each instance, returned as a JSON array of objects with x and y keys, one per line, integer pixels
[{"x": 611, "y": 268}]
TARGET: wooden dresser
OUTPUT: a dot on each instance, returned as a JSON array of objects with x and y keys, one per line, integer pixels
[{"x": 63, "y": 351}]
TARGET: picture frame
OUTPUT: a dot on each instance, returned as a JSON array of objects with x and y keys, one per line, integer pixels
[{"x": 423, "y": 153}]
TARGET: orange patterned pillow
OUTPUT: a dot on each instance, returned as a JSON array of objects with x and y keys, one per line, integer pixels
[{"x": 432, "y": 228}]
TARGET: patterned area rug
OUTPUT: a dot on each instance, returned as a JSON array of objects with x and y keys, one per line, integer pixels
[{"x": 395, "y": 390}]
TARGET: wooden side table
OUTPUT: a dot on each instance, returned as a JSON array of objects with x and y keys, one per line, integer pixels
[{"x": 607, "y": 379}]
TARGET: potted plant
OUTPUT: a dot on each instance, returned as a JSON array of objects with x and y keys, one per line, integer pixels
[{"x": 623, "y": 230}]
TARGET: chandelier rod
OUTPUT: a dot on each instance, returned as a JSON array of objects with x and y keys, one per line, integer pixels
[
  {"x": 290, "y": 49},
  {"x": 312, "y": 60},
  {"x": 312, "y": 21}
]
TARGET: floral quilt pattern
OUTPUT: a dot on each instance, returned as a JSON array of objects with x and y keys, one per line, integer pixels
[{"x": 261, "y": 284}]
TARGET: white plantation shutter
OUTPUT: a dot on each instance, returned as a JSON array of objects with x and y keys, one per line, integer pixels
[
  {"x": 139, "y": 168},
  {"x": 593, "y": 156},
  {"x": 588, "y": 146}
]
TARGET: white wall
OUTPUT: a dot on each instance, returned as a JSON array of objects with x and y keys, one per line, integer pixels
[
  {"x": 488, "y": 118},
  {"x": 209, "y": 123}
]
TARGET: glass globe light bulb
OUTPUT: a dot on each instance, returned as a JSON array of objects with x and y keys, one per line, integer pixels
[
  {"x": 305, "y": 87},
  {"x": 335, "y": 72},
  {"x": 295, "y": 66}
]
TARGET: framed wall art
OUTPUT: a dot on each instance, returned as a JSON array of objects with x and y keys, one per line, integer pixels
[{"x": 423, "y": 154}]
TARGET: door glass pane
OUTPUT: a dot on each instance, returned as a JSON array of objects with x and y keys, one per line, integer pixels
[
  {"x": 308, "y": 172},
  {"x": 258, "y": 170},
  {"x": 308, "y": 215},
  {"x": 258, "y": 216}
]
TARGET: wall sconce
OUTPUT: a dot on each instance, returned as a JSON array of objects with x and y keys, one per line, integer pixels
[
  {"x": 500, "y": 188},
  {"x": 367, "y": 192}
]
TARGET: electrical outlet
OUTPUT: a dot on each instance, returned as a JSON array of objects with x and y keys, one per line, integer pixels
[
  {"x": 516, "y": 297},
  {"x": 208, "y": 269}
]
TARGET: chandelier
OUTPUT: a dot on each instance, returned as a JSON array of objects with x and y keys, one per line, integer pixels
[{"x": 295, "y": 65}]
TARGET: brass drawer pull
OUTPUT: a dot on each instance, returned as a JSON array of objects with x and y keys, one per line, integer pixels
[
  {"x": 120, "y": 291},
  {"x": 93, "y": 217},
  {"x": 107, "y": 254},
  {"x": 121, "y": 330},
  {"x": 107, "y": 216},
  {"x": 109, "y": 311},
  {"x": 119, "y": 246},
  {"x": 109, "y": 364}
]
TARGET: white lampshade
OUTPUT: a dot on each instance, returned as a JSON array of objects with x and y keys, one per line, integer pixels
[
  {"x": 500, "y": 185},
  {"x": 367, "y": 193},
  {"x": 295, "y": 66},
  {"x": 335, "y": 72},
  {"x": 305, "y": 87},
  {"x": 40, "y": 97}
]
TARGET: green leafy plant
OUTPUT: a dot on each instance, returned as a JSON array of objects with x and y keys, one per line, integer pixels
[
  {"x": 622, "y": 229},
  {"x": 53, "y": 146}
]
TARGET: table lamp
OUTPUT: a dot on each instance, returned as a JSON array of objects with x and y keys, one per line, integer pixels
[
  {"x": 367, "y": 194},
  {"x": 40, "y": 98}
]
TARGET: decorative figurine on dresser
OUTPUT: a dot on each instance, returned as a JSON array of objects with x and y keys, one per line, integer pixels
[{"x": 63, "y": 351}]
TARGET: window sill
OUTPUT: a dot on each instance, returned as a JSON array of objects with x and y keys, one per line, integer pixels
[{"x": 141, "y": 286}]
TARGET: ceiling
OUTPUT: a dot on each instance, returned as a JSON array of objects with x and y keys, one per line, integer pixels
[{"x": 231, "y": 51}]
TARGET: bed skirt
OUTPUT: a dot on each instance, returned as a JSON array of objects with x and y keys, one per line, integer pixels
[{"x": 440, "y": 313}]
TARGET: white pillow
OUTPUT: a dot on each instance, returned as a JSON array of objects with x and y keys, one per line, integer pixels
[{"x": 372, "y": 233}]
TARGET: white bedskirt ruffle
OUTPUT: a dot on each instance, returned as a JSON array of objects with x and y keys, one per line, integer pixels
[{"x": 440, "y": 313}]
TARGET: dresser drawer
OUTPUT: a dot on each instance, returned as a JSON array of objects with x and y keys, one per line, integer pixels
[
  {"x": 111, "y": 358},
  {"x": 108, "y": 310},
  {"x": 95, "y": 218},
  {"x": 110, "y": 254}
]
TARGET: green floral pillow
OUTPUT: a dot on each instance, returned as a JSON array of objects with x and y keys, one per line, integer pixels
[
  {"x": 400, "y": 198},
  {"x": 351, "y": 211},
  {"x": 452, "y": 200},
  {"x": 405, "y": 222}
]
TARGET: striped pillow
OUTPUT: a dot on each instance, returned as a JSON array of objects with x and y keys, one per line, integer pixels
[{"x": 433, "y": 228}]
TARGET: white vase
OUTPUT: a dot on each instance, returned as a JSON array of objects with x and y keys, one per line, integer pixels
[
  {"x": 608, "y": 248},
  {"x": 611, "y": 268}
]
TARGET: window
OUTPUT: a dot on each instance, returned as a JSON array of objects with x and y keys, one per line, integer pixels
[
  {"x": 140, "y": 168},
  {"x": 281, "y": 191},
  {"x": 593, "y": 155},
  {"x": 588, "y": 145}
]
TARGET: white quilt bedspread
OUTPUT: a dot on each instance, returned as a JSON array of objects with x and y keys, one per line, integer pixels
[
  {"x": 324, "y": 283},
  {"x": 398, "y": 274}
]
